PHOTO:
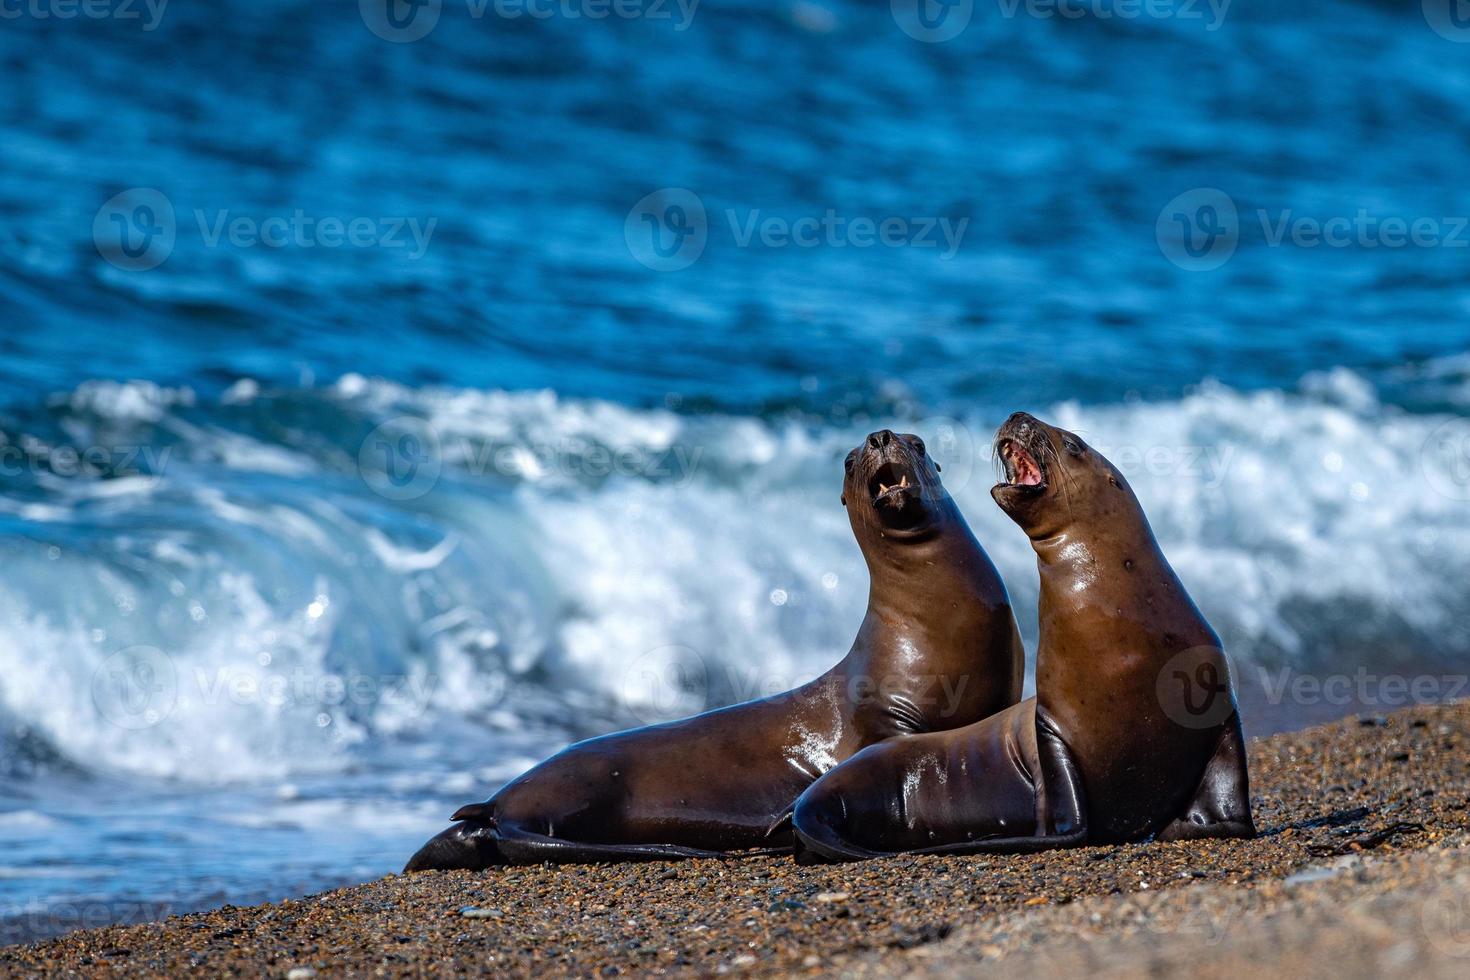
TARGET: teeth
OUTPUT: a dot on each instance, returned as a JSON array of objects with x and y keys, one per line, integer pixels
[
  {"x": 882, "y": 489},
  {"x": 904, "y": 481}
]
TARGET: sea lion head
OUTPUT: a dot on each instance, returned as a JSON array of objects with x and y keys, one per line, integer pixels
[
  {"x": 892, "y": 491},
  {"x": 1053, "y": 480}
]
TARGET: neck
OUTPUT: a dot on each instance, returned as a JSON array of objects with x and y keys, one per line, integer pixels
[{"x": 903, "y": 577}]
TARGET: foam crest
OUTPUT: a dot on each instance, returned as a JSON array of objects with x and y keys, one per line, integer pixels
[{"x": 305, "y": 620}]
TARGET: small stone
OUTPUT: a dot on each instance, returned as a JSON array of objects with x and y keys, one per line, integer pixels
[
  {"x": 828, "y": 898},
  {"x": 473, "y": 912},
  {"x": 300, "y": 973}
]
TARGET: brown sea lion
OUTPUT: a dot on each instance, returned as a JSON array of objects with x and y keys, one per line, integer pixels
[
  {"x": 938, "y": 648},
  {"x": 1133, "y": 733}
]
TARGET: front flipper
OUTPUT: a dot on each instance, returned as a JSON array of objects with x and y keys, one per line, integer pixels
[
  {"x": 1221, "y": 806},
  {"x": 1061, "y": 805},
  {"x": 825, "y": 824},
  {"x": 521, "y": 846},
  {"x": 819, "y": 838}
]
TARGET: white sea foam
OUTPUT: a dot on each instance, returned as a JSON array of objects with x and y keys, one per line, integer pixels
[{"x": 306, "y": 618}]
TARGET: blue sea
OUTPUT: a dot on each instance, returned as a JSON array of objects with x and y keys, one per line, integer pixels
[{"x": 392, "y": 395}]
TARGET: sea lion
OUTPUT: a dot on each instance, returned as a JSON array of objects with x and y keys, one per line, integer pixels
[
  {"x": 938, "y": 648},
  {"x": 1133, "y": 734}
]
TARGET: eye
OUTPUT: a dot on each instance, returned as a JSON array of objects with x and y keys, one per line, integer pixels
[
  {"x": 1072, "y": 446},
  {"x": 850, "y": 462},
  {"x": 918, "y": 445}
]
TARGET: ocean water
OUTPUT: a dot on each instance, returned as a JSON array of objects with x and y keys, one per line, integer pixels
[{"x": 304, "y": 542}]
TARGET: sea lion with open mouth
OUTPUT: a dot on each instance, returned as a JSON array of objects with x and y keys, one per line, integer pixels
[
  {"x": 938, "y": 648},
  {"x": 1133, "y": 733}
]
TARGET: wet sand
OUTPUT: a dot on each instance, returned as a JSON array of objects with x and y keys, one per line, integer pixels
[{"x": 1362, "y": 869}]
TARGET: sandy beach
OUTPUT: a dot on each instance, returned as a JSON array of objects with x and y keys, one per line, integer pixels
[{"x": 1361, "y": 869}]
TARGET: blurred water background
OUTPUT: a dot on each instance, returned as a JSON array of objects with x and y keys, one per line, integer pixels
[{"x": 304, "y": 542}]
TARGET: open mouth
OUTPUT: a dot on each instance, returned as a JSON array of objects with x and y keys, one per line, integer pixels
[
  {"x": 894, "y": 488},
  {"x": 1021, "y": 466}
]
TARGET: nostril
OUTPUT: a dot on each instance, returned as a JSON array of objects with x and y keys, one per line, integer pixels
[{"x": 879, "y": 439}]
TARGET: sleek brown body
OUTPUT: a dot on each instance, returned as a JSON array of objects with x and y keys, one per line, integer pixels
[
  {"x": 938, "y": 648},
  {"x": 1133, "y": 733}
]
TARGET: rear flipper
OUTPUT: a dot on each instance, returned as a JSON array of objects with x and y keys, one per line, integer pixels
[
  {"x": 482, "y": 841},
  {"x": 1222, "y": 802},
  {"x": 470, "y": 845},
  {"x": 525, "y": 847}
]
